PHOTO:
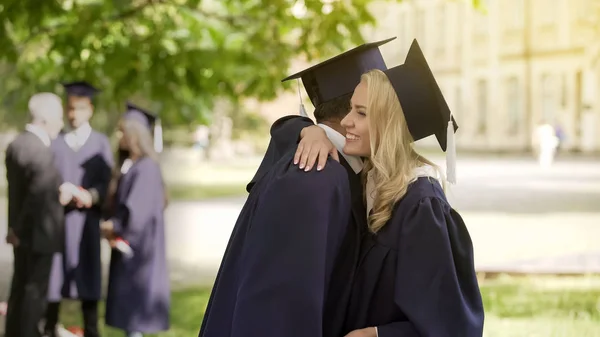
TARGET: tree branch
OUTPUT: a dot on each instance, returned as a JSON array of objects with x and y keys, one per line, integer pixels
[
  {"x": 235, "y": 21},
  {"x": 49, "y": 30}
]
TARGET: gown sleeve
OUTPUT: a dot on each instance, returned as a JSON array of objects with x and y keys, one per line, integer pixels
[
  {"x": 436, "y": 285},
  {"x": 285, "y": 134},
  {"x": 140, "y": 205},
  {"x": 284, "y": 270},
  {"x": 99, "y": 189},
  {"x": 37, "y": 170}
]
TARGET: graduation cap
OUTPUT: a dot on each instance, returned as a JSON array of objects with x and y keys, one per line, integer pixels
[
  {"x": 149, "y": 120},
  {"x": 80, "y": 89},
  {"x": 339, "y": 75},
  {"x": 423, "y": 104}
]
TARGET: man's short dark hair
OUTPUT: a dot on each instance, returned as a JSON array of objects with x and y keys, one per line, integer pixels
[{"x": 334, "y": 110}]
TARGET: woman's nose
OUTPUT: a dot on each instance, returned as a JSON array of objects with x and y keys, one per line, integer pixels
[{"x": 346, "y": 123}]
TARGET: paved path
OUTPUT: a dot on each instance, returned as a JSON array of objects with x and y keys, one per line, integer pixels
[{"x": 520, "y": 219}]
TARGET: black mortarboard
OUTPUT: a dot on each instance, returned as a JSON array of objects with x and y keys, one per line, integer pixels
[
  {"x": 423, "y": 104},
  {"x": 81, "y": 89},
  {"x": 148, "y": 119},
  {"x": 340, "y": 75}
]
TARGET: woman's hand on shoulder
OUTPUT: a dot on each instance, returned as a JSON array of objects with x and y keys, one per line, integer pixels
[
  {"x": 366, "y": 332},
  {"x": 314, "y": 145}
]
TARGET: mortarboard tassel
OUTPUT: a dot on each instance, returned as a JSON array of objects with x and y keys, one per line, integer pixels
[
  {"x": 450, "y": 153},
  {"x": 158, "y": 136},
  {"x": 302, "y": 110}
]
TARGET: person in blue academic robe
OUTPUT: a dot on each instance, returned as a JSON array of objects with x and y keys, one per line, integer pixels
[
  {"x": 138, "y": 299},
  {"x": 416, "y": 275},
  {"x": 286, "y": 268},
  {"x": 84, "y": 159}
]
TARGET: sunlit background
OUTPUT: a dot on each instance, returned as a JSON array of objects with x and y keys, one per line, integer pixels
[{"x": 212, "y": 71}]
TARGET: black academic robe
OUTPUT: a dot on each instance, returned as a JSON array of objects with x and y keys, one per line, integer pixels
[
  {"x": 34, "y": 211},
  {"x": 274, "y": 277},
  {"x": 416, "y": 276},
  {"x": 36, "y": 217},
  {"x": 285, "y": 134}
]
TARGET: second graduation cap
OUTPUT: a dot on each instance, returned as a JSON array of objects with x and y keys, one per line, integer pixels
[
  {"x": 425, "y": 109},
  {"x": 147, "y": 119},
  {"x": 80, "y": 89},
  {"x": 339, "y": 75}
]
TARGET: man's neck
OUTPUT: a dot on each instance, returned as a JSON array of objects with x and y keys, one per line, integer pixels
[
  {"x": 82, "y": 126},
  {"x": 335, "y": 125},
  {"x": 40, "y": 132},
  {"x": 338, "y": 139}
]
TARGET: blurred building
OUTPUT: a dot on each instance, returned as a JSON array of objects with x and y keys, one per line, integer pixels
[
  {"x": 503, "y": 68},
  {"x": 507, "y": 67}
]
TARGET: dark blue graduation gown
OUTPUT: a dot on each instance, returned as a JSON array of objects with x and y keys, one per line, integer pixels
[
  {"x": 285, "y": 134},
  {"x": 416, "y": 277},
  {"x": 138, "y": 296},
  {"x": 77, "y": 274},
  {"x": 274, "y": 277}
]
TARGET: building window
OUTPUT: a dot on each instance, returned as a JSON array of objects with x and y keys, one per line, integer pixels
[
  {"x": 402, "y": 28},
  {"x": 482, "y": 107},
  {"x": 460, "y": 9},
  {"x": 550, "y": 97},
  {"x": 547, "y": 11},
  {"x": 514, "y": 13},
  {"x": 457, "y": 109},
  {"x": 564, "y": 91},
  {"x": 421, "y": 26},
  {"x": 441, "y": 22},
  {"x": 585, "y": 10},
  {"x": 481, "y": 18},
  {"x": 513, "y": 105}
]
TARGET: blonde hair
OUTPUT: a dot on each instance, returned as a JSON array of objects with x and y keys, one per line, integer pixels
[{"x": 393, "y": 159}]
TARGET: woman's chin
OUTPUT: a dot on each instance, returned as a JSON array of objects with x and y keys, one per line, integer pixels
[{"x": 350, "y": 150}]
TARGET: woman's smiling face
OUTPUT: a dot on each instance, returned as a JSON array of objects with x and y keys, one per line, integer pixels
[{"x": 356, "y": 124}]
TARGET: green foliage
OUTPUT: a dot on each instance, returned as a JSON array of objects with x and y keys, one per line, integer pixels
[
  {"x": 173, "y": 56},
  {"x": 181, "y": 54}
]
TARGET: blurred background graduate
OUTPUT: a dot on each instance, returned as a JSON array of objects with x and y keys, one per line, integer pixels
[
  {"x": 84, "y": 159},
  {"x": 138, "y": 299}
]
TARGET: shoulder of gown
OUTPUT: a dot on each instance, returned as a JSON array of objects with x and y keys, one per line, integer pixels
[
  {"x": 285, "y": 133},
  {"x": 297, "y": 225},
  {"x": 436, "y": 283}
]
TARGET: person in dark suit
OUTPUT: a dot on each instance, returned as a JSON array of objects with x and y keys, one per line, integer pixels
[{"x": 35, "y": 214}]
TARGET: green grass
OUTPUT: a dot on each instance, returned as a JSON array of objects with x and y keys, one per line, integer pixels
[
  {"x": 542, "y": 306},
  {"x": 196, "y": 191},
  {"x": 202, "y": 192},
  {"x": 510, "y": 297},
  {"x": 187, "y": 310},
  {"x": 515, "y": 307}
]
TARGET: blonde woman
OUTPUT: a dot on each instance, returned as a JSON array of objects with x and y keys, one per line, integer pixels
[
  {"x": 138, "y": 298},
  {"x": 416, "y": 274}
]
